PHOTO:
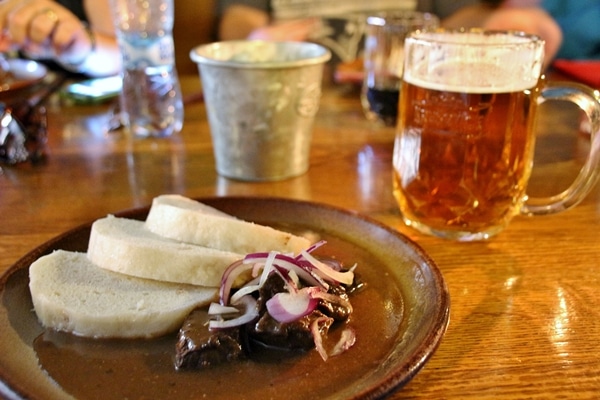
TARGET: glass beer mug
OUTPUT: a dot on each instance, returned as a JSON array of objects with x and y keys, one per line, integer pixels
[
  {"x": 465, "y": 137},
  {"x": 383, "y": 60}
]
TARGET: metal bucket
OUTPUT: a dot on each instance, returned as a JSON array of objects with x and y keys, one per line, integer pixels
[{"x": 261, "y": 99}]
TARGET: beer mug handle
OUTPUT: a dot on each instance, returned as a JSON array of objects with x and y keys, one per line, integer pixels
[{"x": 588, "y": 100}]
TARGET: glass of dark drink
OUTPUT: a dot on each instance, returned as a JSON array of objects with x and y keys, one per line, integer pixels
[
  {"x": 383, "y": 60},
  {"x": 465, "y": 138}
]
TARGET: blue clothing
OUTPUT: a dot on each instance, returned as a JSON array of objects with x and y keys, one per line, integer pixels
[{"x": 580, "y": 23}]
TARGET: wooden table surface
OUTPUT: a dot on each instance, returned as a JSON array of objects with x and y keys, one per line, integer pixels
[{"x": 525, "y": 310}]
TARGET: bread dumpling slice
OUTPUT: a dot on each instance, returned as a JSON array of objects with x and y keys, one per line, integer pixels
[
  {"x": 72, "y": 294},
  {"x": 124, "y": 245},
  {"x": 180, "y": 218}
]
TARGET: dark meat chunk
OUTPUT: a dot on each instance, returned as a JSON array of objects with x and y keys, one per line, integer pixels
[
  {"x": 336, "y": 311},
  {"x": 293, "y": 335},
  {"x": 357, "y": 285},
  {"x": 197, "y": 347},
  {"x": 288, "y": 336},
  {"x": 273, "y": 285},
  {"x": 271, "y": 333}
]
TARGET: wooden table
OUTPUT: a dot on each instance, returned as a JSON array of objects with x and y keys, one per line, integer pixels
[{"x": 525, "y": 319}]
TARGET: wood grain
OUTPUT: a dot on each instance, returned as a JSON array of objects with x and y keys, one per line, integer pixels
[{"x": 525, "y": 319}]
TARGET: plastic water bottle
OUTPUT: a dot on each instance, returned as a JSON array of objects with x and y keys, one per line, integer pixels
[{"x": 151, "y": 103}]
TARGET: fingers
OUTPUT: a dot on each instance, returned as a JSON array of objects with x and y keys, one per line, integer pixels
[
  {"x": 40, "y": 29},
  {"x": 65, "y": 33},
  {"x": 6, "y": 6},
  {"x": 39, "y": 24},
  {"x": 5, "y": 45}
]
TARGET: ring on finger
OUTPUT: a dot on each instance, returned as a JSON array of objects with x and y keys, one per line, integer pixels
[
  {"x": 51, "y": 15},
  {"x": 42, "y": 26},
  {"x": 48, "y": 13}
]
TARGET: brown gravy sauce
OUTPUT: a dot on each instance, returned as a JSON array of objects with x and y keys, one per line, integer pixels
[{"x": 143, "y": 369}]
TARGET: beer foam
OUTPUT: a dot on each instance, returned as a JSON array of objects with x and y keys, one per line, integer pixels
[
  {"x": 473, "y": 61},
  {"x": 473, "y": 77}
]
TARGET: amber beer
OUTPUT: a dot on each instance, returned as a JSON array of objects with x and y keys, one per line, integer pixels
[
  {"x": 462, "y": 158},
  {"x": 465, "y": 140},
  {"x": 464, "y": 145}
]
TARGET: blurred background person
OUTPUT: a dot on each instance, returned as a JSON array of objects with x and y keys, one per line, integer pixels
[
  {"x": 339, "y": 25},
  {"x": 286, "y": 20},
  {"x": 580, "y": 24},
  {"x": 78, "y": 35},
  {"x": 569, "y": 27}
]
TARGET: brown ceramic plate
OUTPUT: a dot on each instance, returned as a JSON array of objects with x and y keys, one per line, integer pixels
[
  {"x": 400, "y": 319},
  {"x": 22, "y": 73}
]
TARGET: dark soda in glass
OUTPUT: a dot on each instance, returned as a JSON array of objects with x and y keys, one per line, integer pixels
[{"x": 384, "y": 103}]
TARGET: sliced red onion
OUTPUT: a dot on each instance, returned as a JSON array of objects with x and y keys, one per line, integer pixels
[
  {"x": 294, "y": 280},
  {"x": 315, "y": 329},
  {"x": 289, "y": 307},
  {"x": 305, "y": 272},
  {"x": 229, "y": 276},
  {"x": 290, "y": 264},
  {"x": 313, "y": 247},
  {"x": 218, "y": 309},
  {"x": 249, "y": 287},
  {"x": 346, "y": 277},
  {"x": 333, "y": 264},
  {"x": 244, "y": 291},
  {"x": 346, "y": 341},
  {"x": 301, "y": 270},
  {"x": 251, "y": 262},
  {"x": 332, "y": 298},
  {"x": 290, "y": 279},
  {"x": 250, "y": 312}
]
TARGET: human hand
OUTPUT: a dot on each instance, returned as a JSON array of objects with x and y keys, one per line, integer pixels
[{"x": 43, "y": 29}]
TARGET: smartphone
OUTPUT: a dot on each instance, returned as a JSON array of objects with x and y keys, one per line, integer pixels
[{"x": 94, "y": 90}]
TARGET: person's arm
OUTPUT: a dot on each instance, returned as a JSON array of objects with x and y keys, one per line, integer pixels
[
  {"x": 106, "y": 57},
  {"x": 520, "y": 15},
  {"x": 44, "y": 29},
  {"x": 245, "y": 22},
  {"x": 470, "y": 16},
  {"x": 531, "y": 20},
  {"x": 239, "y": 21}
]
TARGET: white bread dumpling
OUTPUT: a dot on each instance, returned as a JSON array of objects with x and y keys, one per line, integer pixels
[
  {"x": 72, "y": 294},
  {"x": 126, "y": 246},
  {"x": 181, "y": 218},
  {"x": 142, "y": 278}
]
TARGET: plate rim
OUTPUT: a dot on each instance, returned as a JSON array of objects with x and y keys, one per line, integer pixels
[{"x": 391, "y": 382}]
